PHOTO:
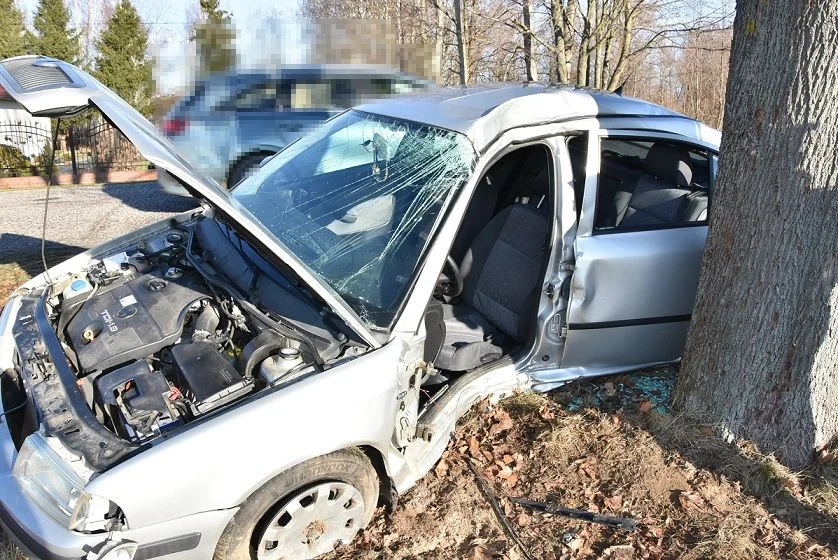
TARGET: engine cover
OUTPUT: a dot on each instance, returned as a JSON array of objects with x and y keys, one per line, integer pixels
[{"x": 133, "y": 319}]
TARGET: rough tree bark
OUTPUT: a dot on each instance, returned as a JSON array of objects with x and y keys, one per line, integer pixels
[
  {"x": 762, "y": 353},
  {"x": 462, "y": 49},
  {"x": 588, "y": 25},
  {"x": 557, "y": 20},
  {"x": 529, "y": 55},
  {"x": 630, "y": 13}
]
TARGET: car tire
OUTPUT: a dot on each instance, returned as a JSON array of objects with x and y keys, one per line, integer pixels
[
  {"x": 245, "y": 167},
  {"x": 306, "y": 511}
]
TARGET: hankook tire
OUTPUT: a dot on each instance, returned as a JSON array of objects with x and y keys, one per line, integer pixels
[{"x": 304, "y": 512}]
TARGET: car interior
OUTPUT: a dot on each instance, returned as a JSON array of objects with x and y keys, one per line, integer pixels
[
  {"x": 486, "y": 300},
  {"x": 644, "y": 184},
  {"x": 485, "y": 303}
]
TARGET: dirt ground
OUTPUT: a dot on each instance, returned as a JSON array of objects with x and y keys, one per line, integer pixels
[{"x": 610, "y": 446}]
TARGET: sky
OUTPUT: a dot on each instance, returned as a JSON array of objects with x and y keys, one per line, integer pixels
[{"x": 256, "y": 21}]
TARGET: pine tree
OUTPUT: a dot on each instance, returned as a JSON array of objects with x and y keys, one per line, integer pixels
[
  {"x": 214, "y": 39},
  {"x": 122, "y": 62},
  {"x": 54, "y": 37},
  {"x": 14, "y": 40}
]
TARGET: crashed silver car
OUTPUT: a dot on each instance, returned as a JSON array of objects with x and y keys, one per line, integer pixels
[{"x": 252, "y": 378}]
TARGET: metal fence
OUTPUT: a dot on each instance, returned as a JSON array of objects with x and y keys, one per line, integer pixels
[{"x": 84, "y": 145}]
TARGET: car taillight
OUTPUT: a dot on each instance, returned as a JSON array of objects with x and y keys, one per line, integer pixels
[{"x": 173, "y": 127}]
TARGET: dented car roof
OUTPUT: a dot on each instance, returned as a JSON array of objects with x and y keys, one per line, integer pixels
[{"x": 484, "y": 112}]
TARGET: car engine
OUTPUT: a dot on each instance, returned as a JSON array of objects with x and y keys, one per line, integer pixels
[{"x": 155, "y": 345}]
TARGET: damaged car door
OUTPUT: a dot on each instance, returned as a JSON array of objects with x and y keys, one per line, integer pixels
[{"x": 641, "y": 235}]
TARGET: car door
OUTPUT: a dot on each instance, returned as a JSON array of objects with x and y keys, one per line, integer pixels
[{"x": 641, "y": 235}]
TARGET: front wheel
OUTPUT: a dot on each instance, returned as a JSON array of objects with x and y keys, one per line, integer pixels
[{"x": 304, "y": 512}]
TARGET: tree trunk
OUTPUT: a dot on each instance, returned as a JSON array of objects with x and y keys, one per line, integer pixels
[
  {"x": 762, "y": 353},
  {"x": 439, "y": 44},
  {"x": 569, "y": 26},
  {"x": 626, "y": 36},
  {"x": 600, "y": 40},
  {"x": 583, "y": 60},
  {"x": 529, "y": 59},
  {"x": 461, "y": 40},
  {"x": 557, "y": 20}
]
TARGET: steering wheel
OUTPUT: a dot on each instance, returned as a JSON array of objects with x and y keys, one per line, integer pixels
[{"x": 452, "y": 285}]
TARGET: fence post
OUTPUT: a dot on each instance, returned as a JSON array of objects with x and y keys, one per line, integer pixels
[{"x": 73, "y": 150}]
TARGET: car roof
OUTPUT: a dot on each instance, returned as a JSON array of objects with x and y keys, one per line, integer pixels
[
  {"x": 484, "y": 112},
  {"x": 302, "y": 71}
]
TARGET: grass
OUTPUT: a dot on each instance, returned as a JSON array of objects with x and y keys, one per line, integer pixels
[{"x": 12, "y": 275}]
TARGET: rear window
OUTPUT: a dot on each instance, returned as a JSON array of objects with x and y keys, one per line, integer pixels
[{"x": 189, "y": 101}]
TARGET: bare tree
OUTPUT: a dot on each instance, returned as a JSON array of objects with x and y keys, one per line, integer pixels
[
  {"x": 763, "y": 345},
  {"x": 665, "y": 50},
  {"x": 462, "y": 47},
  {"x": 529, "y": 55}
]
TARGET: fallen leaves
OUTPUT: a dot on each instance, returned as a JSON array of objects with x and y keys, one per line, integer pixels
[
  {"x": 618, "y": 552},
  {"x": 502, "y": 422},
  {"x": 614, "y": 503},
  {"x": 546, "y": 413},
  {"x": 692, "y": 501},
  {"x": 602, "y": 461}
]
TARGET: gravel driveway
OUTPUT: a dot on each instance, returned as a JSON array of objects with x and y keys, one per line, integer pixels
[{"x": 79, "y": 217}]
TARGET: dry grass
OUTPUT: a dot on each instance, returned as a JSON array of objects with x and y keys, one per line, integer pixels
[
  {"x": 8, "y": 551},
  {"x": 694, "y": 496},
  {"x": 12, "y": 275}
]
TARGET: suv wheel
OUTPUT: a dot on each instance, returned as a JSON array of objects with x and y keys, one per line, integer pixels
[{"x": 304, "y": 512}]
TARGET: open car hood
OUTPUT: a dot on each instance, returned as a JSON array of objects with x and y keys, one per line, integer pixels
[{"x": 47, "y": 87}]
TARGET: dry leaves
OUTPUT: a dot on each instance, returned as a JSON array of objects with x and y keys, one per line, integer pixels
[
  {"x": 692, "y": 501},
  {"x": 598, "y": 461}
]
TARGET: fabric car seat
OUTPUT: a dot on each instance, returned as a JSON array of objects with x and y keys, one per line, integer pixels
[
  {"x": 663, "y": 191},
  {"x": 502, "y": 276}
]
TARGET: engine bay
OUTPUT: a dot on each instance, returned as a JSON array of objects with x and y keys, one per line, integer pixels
[{"x": 158, "y": 335}]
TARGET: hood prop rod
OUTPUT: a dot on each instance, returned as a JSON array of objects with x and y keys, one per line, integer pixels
[{"x": 46, "y": 201}]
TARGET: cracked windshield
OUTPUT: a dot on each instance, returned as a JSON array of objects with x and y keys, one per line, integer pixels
[{"x": 358, "y": 203}]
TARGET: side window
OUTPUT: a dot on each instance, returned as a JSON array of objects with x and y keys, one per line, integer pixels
[
  {"x": 343, "y": 93},
  {"x": 406, "y": 86},
  {"x": 648, "y": 184},
  {"x": 311, "y": 95},
  {"x": 261, "y": 97}
]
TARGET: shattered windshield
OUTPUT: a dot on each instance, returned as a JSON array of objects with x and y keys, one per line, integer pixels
[{"x": 358, "y": 202}]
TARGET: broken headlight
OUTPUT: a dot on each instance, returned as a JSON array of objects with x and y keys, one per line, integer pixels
[{"x": 57, "y": 488}]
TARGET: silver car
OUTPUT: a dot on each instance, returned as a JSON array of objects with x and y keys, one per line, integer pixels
[
  {"x": 252, "y": 378},
  {"x": 230, "y": 122}
]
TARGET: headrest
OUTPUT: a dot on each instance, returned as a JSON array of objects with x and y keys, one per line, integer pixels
[{"x": 669, "y": 163}]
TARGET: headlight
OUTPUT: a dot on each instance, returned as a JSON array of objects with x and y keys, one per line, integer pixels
[{"x": 57, "y": 489}]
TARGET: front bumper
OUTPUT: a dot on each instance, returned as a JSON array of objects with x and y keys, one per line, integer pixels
[{"x": 40, "y": 536}]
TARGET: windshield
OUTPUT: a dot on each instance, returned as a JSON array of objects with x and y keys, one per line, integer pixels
[{"x": 359, "y": 201}]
